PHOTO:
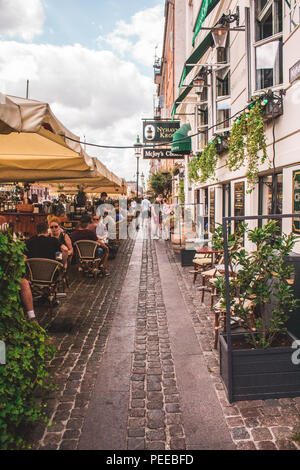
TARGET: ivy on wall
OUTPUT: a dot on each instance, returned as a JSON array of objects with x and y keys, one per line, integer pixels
[{"x": 246, "y": 147}]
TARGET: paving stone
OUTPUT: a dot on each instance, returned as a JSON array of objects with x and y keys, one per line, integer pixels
[
  {"x": 135, "y": 444},
  {"x": 261, "y": 434},
  {"x": 235, "y": 421},
  {"x": 137, "y": 403},
  {"x": 177, "y": 444},
  {"x": 240, "y": 433},
  {"x": 158, "y": 435},
  {"x": 52, "y": 439},
  {"x": 245, "y": 445},
  {"x": 173, "y": 418},
  {"x": 266, "y": 445},
  {"x": 172, "y": 408},
  {"x": 136, "y": 432},
  {"x": 156, "y": 445},
  {"x": 284, "y": 444},
  {"x": 136, "y": 422},
  {"x": 281, "y": 432},
  {"x": 176, "y": 430}
]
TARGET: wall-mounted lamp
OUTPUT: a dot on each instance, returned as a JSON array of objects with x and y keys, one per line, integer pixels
[{"x": 199, "y": 83}]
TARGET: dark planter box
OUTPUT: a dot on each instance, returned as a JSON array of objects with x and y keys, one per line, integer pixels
[
  {"x": 187, "y": 257},
  {"x": 260, "y": 374}
]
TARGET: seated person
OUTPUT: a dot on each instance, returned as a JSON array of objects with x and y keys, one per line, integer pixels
[
  {"x": 43, "y": 246},
  {"x": 57, "y": 232},
  {"x": 84, "y": 232}
]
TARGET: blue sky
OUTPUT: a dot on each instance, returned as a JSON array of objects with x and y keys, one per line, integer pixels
[
  {"x": 91, "y": 60},
  {"x": 72, "y": 21}
]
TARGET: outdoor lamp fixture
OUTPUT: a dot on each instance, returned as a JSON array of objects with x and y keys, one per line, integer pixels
[
  {"x": 137, "y": 153},
  {"x": 220, "y": 31},
  {"x": 199, "y": 83}
]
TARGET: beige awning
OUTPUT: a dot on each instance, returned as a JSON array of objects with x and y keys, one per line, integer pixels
[
  {"x": 33, "y": 144},
  {"x": 104, "y": 180}
]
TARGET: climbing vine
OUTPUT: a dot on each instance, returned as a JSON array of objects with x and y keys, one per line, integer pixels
[
  {"x": 206, "y": 162},
  {"x": 236, "y": 147},
  {"x": 255, "y": 142}
]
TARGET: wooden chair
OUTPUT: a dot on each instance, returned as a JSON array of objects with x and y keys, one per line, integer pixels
[
  {"x": 88, "y": 261},
  {"x": 201, "y": 263},
  {"x": 220, "y": 317},
  {"x": 44, "y": 276}
]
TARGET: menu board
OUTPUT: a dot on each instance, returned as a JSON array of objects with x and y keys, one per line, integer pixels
[
  {"x": 239, "y": 201},
  {"x": 296, "y": 200},
  {"x": 212, "y": 210}
]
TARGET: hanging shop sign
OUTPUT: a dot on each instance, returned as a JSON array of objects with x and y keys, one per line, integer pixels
[
  {"x": 296, "y": 200},
  {"x": 295, "y": 72},
  {"x": 160, "y": 154},
  {"x": 159, "y": 131}
]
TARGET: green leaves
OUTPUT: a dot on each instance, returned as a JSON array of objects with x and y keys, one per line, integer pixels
[
  {"x": 206, "y": 163},
  {"x": 263, "y": 278},
  {"x": 26, "y": 350},
  {"x": 161, "y": 183}
]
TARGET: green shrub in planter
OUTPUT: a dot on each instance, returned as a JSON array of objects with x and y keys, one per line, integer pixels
[
  {"x": 263, "y": 277},
  {"x": 27, "y": 351}
]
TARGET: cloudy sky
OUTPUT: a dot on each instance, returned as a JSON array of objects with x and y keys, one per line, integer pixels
[{"x": 92, "y": 60}]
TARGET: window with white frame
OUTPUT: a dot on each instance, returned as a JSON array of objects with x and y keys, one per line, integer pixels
[
  {"x": 222, "y": 77},
  {"x": 268, "y": 43}
]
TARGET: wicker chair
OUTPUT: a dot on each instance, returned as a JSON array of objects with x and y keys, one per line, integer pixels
[
  {"x": 45, "y": 276},
  {"x": 88, "y": 263}
]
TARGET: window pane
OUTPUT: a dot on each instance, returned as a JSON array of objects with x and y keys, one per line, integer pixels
[
  {"x": 223, "y": 113},
  {"x": 264, "y": 25},
  {"x": 268, "y": 64},
  {"x": 223, "y": 82}
]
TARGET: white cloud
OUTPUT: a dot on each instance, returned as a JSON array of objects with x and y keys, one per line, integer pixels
[
  {"x": 19, "y": 18},
  {"x": 140, "y": 37},
  {"x": 93, "y": 93}
]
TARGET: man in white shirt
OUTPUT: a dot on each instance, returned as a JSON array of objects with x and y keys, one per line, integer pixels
[{"x": 146, "y": 204}]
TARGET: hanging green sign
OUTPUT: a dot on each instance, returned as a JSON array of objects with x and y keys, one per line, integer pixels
[{"x": 296, "y": 200}]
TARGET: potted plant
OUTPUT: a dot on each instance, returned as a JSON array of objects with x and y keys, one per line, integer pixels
[{"x": 261, "y": 300}]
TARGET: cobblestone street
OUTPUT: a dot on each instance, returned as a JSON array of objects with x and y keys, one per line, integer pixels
[{"x": 136, "y": 368}]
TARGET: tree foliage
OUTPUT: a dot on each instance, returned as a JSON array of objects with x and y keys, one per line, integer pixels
[{"x": 161, "y": 183}]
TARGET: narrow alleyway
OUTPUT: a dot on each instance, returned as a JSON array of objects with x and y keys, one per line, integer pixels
[{"x": 134, "y": 371}]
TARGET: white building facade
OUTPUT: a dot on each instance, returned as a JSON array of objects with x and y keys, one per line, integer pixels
[{"x": 261, "y": 53}]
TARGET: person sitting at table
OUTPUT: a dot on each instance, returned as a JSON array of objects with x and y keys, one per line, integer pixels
[
  {"x": 83, "y": 232},
  {"x": 57, "y": 232},
  {"x": 43, "y": 246}
]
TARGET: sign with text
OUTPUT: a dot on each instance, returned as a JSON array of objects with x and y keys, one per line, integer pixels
[
  {"x": 160, "y": 154},
  {"x": 159, "y": 131},
  {"x": 296, "y": 200},
  {"x": 295, "y": 72}
]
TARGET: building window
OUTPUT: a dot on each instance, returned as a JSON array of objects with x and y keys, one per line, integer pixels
[
  {"x": 268, "y": 45},
  {"x": 223, "y": 113},
  {"x": 270, "y": 196},
  {"x": 202, "y": 138},
  {"x": 268, "y": 18},
  {"x": 268, "y": 64}
]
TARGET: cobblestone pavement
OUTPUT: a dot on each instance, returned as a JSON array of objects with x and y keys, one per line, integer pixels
[
  {"x": 137, "y": 385},
  {"x": 155, "y": 420},
  {"x": 79, "y": 329},
  {"x": 254, "y": 425}
]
